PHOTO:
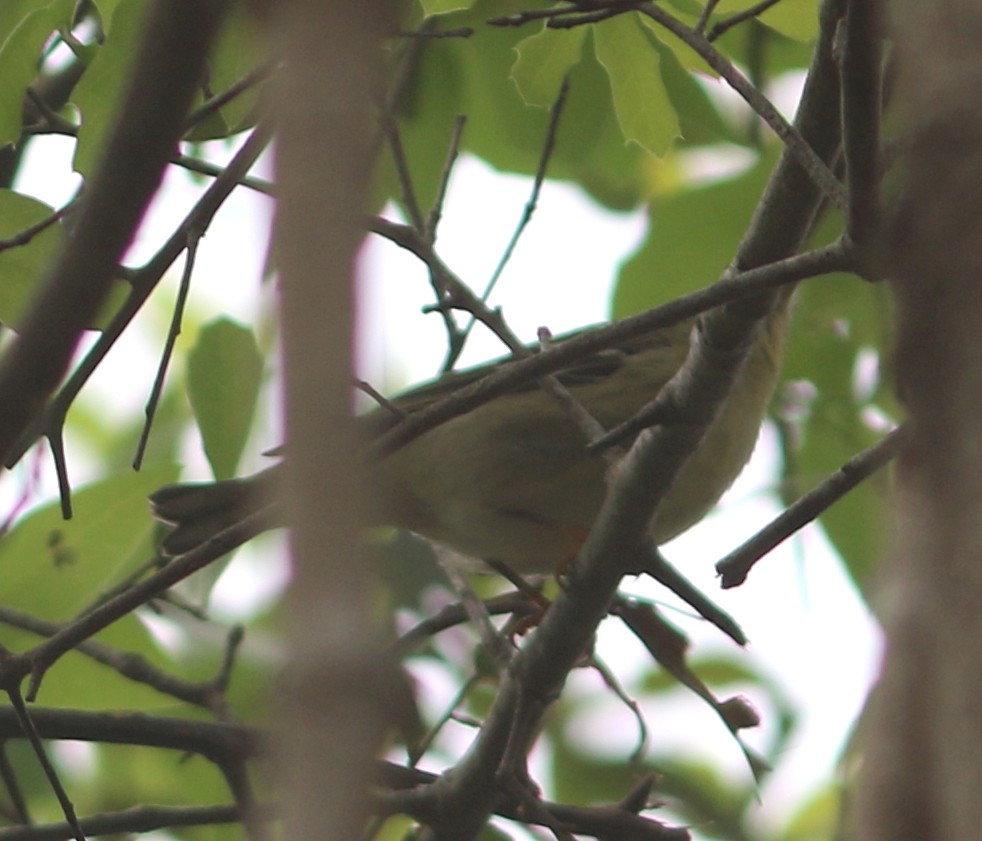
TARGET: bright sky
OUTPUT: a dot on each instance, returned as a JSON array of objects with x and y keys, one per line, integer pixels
[{"x": 807, "y": 627}]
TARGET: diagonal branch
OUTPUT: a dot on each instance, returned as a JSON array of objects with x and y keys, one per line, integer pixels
[
  {"x": 144, "y": 282},
  {"x": 734, "y": 568},
  {"x": 175, "y": 44}
]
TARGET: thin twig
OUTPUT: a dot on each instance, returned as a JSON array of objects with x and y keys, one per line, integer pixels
[
  {"x": 548, "y": 148},
  {"x": 143, "y": 283},
  {"x": 25, "y": 236},
  {"x": 260, "y": 185},
  {"x": 418, "y": 750},
  {"x": 30, "y": 731},
  {"x": 705, "y": 15},
  {"x": 454, "y": 614},
  {"x": 37, "y": 660},
  {"x": 135, "y": 667},
  {"x": 494, "y": 643},
  {"x": 458, "y": 293},
  {"x": 612, "y": 683},
  {"x": 731, "y": 287},
  {"x": 806, "y": 157},
  {"x": 217, "y": 102},
  {"x": 56, "y": 443},
  {"x": 453, "y": 151},
  {"x": 138, "y": 819},
  {"x": 409, "y": 199},
  {"x": 658, "y": 567},
  {"x": 734, "y": 568},
  {"x": 194, "y": 237},
  {"x": 723, "y": 26},
  {"x": 455, "y": 338},
  {"x": 521, "y": 18},
  {"x": 21, "y": 813},
  {"x": 459, "y": 32}
]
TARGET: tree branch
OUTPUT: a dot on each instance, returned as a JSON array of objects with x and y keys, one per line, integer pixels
[
  {"x": 171, "y": 57},
  {"x": 734, "y": 568},
  {"x": 466, "y": 794}
]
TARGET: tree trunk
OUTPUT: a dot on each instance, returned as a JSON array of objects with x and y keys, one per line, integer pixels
[
  {"x": 330, "y": 720},
  {"x": 923, "y": 749}
]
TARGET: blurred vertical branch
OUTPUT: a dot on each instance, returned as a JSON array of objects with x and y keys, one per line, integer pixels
[
  {"x": 923, "y": 750},
  {"x": 330, "y": 727}
]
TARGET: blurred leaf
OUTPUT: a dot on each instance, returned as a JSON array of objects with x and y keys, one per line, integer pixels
[
  {"x": 797, "y": 19},
  {"x": 472, "y": 77},
  {"x": 142, "y": 774},
  {"x": 107, "y": 8},
  {"x": 837, "y": 317},
  {"x": 25, "y": 26},
  {"x": 79, "y": 682},
  {"x": 490, "y": 832},
  {"x": 407, "y": 566},
  {"x": 683, "y": 53},
  {"x": 544, "y": 60},
  {"x": 644, "y": 112},
  {"x": 395, "y": 828},
  {"x": 223, "y": 379},
  {"x": 700, "y": 119},
  {"x": 704, "y": 797},
  {"x": 669, "y": 647},
  {"x": 440, "y": 7},
  {"x": 756, "y": 45},
  {"x": 238, "y": 51},
  {"x": 54, "y": 567},
  {"x": 22, "y": 266},
  {"x": 579, "y": 777},
  {"x": 98, "y": 95},
  {"x": 591, "y": 149},
  {"x": 817, "y": 819},
  {"x": 692, "y": 238}
]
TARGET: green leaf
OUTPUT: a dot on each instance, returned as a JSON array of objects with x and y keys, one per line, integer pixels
[
  {"x": 700, "y": 119},
  {"x": 79, "y": 682},
  {"x": 837, "y": 317},
  {"x": 25, "y": 25},
  {"x": 798, "y": 19},
  {"x": 224, "y": 375},
  {"x": 22, "y": 267},
  {"x": 681, "y": 253},
  {"x": 644, "y": 111},
  {"x": 544, "y": 60},
  {"x": 238, "y": 51},
  {"x": 55, "y": 567},
  {"x": 818, "y": 818},
  {"x": 686, "y": 56},
  {"x": 98, "y": 96},
  {"x": 471, "y": 77},
  {"x": 442, "y": 7},
  {"x": 106, "y": 10}
]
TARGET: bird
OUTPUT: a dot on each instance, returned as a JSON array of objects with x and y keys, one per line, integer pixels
[{"x": 513, "y": 480}]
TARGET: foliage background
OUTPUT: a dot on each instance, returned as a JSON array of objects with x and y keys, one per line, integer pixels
[{"x": 640, "y": 106}]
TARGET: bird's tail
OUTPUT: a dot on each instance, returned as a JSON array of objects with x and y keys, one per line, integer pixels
[{"x": 198, "y": 512}]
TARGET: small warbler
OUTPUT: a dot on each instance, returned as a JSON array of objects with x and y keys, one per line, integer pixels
[{"x": 512, "y": 480}]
